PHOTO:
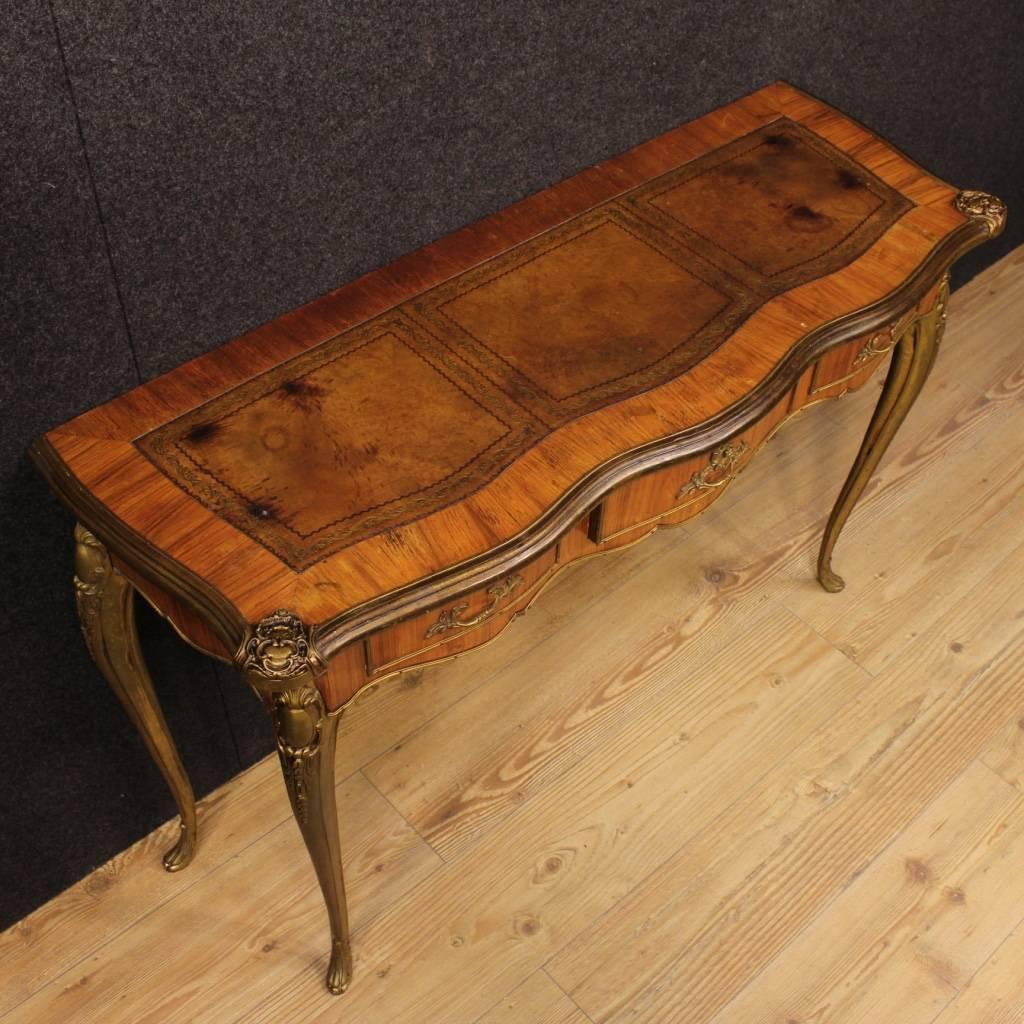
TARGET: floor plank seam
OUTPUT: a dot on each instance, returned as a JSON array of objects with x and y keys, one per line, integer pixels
[
  {"x": 94, "y": 951},
  {"x": 423, "y": 839},
  {"x": 780, "y": 602},
  {"x": 828, "y": 903},
  {"x": 691, "y": 838},
  {"x": 396, "y": 681},
  {"x": 554, "y": 981},
  {"x": 997, "y": 488},
  {"x": 1016, "y": 786},
  {"x": 965, "y": 685},
  {"x": 466, "y": 848},
  {"x": 957, "y": 992},
  {"x": 970, "y": 981}
]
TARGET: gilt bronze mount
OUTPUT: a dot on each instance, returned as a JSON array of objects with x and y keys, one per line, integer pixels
[
  {"x": 451, "y": 618},
  {"x": 982, "y": 206},
  {"x": 106, "y": 611},
  {"x": 280, "y": 662},
  {"x": 722, "y": 467},
  {"x": 549, "y": 373}
]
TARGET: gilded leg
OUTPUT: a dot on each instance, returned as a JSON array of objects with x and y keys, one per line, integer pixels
[
  {"x": 912, "y": 361},
  {"x": 279, "y": 662},
  {"x": 106, "y": 609}
]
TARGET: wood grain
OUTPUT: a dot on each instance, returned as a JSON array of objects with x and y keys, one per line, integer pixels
[
  {"x": 680, "y": 802},
  {"x": 896, "y": 900},
  {"x": 995, "y": 995},
  {"x": 537, "y": 1001},
  {"x": 453, "y": 415},
  {"x": 903, "y": 745}
]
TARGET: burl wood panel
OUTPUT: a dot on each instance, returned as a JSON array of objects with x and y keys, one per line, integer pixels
[{"x": 418, "y": 409}]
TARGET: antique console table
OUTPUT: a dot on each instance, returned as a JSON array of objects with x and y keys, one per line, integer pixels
[{"x": 391, "y": 474}]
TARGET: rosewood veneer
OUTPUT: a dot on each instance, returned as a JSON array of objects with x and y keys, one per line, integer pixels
[{"x": 389, "y": 475}]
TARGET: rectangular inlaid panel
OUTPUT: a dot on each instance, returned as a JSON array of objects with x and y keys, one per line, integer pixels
[
  {"x": 418, "y": 408},
  {"x": 589, "y": 313},
  {"x": 317, "y": 450},
  {"x": 772, "y": 204}
]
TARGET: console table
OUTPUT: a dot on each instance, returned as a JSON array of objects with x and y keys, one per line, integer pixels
[{"x": 391, "y": 474}]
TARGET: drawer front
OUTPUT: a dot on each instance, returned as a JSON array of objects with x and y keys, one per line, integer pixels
[
  {"x": 682, "y": 490},
  {"x": 459, "y": 624},
  {"x": 849, "y": 366}
]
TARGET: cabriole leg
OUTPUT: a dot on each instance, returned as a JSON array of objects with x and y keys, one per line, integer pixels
[
  {"x": 279, "y": 662},
  {"x": 912, "y": 360},
  {"x": 106, "y": 609}
]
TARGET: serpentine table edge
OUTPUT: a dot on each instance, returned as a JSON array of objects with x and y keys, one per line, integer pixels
[{"x": 306, "y": 652}]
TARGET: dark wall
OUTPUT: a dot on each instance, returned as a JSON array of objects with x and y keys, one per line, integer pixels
[{"x": 177, "y": 173}]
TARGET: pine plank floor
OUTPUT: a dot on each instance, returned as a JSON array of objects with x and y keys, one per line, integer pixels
[{"x": 689, "y": 787}]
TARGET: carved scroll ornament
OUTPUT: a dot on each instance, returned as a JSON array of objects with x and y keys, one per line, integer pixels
[{"x": 721, "y": 468}]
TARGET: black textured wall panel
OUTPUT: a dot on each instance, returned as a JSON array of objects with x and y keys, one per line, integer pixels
[
  {"x": 235, "y": 160},
  {"x": 252, "y": 156},
  {"x": 78, "y": 783}
]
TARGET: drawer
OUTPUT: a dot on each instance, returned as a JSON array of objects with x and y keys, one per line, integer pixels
[
  {"x": 460, "y": 624},
  {"x": 849, "y": 366},
  {"x": 682, "y": 490}
]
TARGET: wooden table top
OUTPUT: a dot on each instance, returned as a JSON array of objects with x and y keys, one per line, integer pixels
[{"x": 437, "y": 421}]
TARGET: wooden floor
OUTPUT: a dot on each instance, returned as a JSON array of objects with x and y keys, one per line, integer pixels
[{"x": 689, "y": 787}]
